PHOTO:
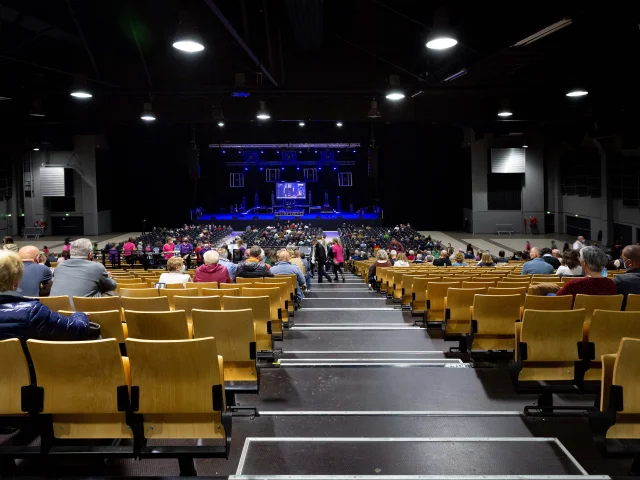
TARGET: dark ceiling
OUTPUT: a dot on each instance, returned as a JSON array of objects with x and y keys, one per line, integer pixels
[{"x": 327, "y": 60}]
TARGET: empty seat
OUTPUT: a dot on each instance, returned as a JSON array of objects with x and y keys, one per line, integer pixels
[
  {"x": 538, "y": 302},
  {"x": 283, "y": 285},
  {"x": 503, "y": 284},
  {"x": 201, "y": 285},
  {"x": 158, "y": 325},
  {"x": 261, "y": 307},
  {"x": 170, "y": 293},
  {"x": 81, "y": 383},
  {"x": 493, "y": 319},
  {"x": 110, "y": 322},
  {"x": 407, "y": 287},
  {"x": 14, "y": 375},
  {"x": 458, "y": 302},
  {"x": 145, "y": 304},
  {"x": 633, "y": 303},
  {"x": 436, "y": 293},
  {"x": 274, "y": 298},
  {"x": 601, "y": 302},
  {"x": 202, "y": 303},
  {"x": 247, "y": 281},
  {"x": 220, "y": 292},
  {"x": 139, "y": 292},
  {"x": 96, "y": 304},
  {"x": 231, "y": 286},
  {"x": 484, "y": 284},
  {"x": 56, "y": 304},
  {"x": 419, "y": 294},
  {"x": 604, "y": 333},
  {"x": 522, "y": 291}
]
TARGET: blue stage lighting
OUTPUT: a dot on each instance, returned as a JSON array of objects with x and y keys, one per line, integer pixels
[
  {"x": 239, "y": 152},
  {"x": 354, "y": 151},
  {"x": 338, "y": 151},
  {"x": 241, "y": 94},
  {"x": 297, "y": 168},
  {"x": 319, "y": 168},
  {"x": 261, "y": 151},
  {"x": 334, "y": 168},
  {"x": 277, "y": 151},
  {"x": 299, "y": 151},
  {"x": 282, "y": 168},
  {"x": 261, "y": 169},
  {"x": 315, "y": 151},
  {"x": 224, "y": 151},
  {"x": 246, "y": 169}
]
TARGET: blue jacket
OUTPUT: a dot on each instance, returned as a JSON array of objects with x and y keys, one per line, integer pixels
[
  {"x": 24, "y": 318},
  {"x": 536, "y": 265},
  {"x": 287, "y": 268}
]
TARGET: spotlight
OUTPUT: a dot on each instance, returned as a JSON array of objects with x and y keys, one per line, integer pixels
[
  {"x": 301, "y": 124},
  {"x": 319, "y": 168},
  {"x": 282, "y": 168},
  {"x": 338, "y": 124},
  {"x": 261, "y": 151},
  {"x": 441, "y": 43},
  {"x": 147, "y": 114},
  {"x": 297, "y": 168},
  {"x": 354, "y": 151},
  {"x": 263, "y": 113},
  {"x": 335, "y": 168},
  {"x": 315, "y": 151},
  {"x": 36, "y": 149},
  {"x": 505, "y": 113},
  {"x": 374, "y": 111},
  {"x": 299, "y": 151},
  {"x": 261, "y": 169},
  {"x": 577, "y": 93},
  {"x": 221, "y": 124},
  {"x": 338, "y": 151},
  {"x": 246, "y": 169},
  {"x": 187, "y": 39},
  {"x": 224, "y": 151},
  {"x": 277, "y": 151},
  {"x": 80, "y": 93},
  {"x": 395, "y": 95}
]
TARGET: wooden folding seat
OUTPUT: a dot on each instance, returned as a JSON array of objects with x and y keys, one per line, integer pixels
[
  {"x": 537, "y": 281},
  {"x": 235, "y": 336},
  {"x": 131, "y": 286},
  {"x": 57, "y": 303},
  {"x": 261, "y": 307},
  {"x": 601, "y": 302},
  {"x": 633, "y": 303},
  {"x": 539, "y": 302},
  {"x": 96, "y": 304},
  {"x": 603, "y": 336},
  {"x": 457, "y": 315},
  {"x": 407, "y": 288},
  {"x": 170, "y": 293},
  {"x": 247, "y": 281},
  {"x": 171, "y": 325},
  {"x": 110, "y": 321},
  {"x": 274, "y": 299},
  {"x": 396, "y": 288},
  {"x": 493, "y": 319},
  {"x": 151, "y": 282},
  {"x": 517, "y": 279},
  {"x": 549, "y": 347},
  {"x": 220, "y": 292},
  {"x": 81, "y": 386},
  {"x": 139, "y": 292},
  {"x": 502, "y": 284},
  {"x": 178, "y": 389},
  {"x": 293, "y": 288},
  {"x": 14, "y": 376},
  {"x": 201, "y": 285},
  {"x": 545, "y": 276},
  {"x": 483, "y": 284},
  {"x": 230, "y": 286},
  {"x": 455, "y": 278},
  {"x": 522, "y": 291},
  {"x": 486, "y": 278},
  {"x": 145, "y": 304},
  {"x": 127, "y": 280},
  {"x": 619, "y": 414},
  {"x": 284, "y": 297},
  {"x": 202, "y": 303},
  {"x": 419, "y": 294},
  {"x": 436, "y": 293}
]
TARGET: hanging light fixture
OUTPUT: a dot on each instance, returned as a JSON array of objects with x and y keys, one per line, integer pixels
[
  {"x": 80, "y": 88},
  {"x": 221, "y": 124},
  {"x": 374, "y": 111},
  {"x": 505, "y": 110},
  {"x": 338, "y": 124},
  {"x": 395, "y": 93},
  {"x": 441, "y": 42},
  {"x": 577, "y": 92},
  {"x": 188, "y": 39},
  {"x": 147, "y": 113},
  {"x": 441, "y": 36},
  {"x": 263, "y": 113}
]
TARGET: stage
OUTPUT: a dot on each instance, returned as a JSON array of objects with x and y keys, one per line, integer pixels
[{"x": 327, "y": 221}]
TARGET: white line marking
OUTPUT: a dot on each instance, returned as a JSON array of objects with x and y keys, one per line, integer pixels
[
  {"x": 243, "y": 456},
  {"x": 406, "y": 352},
  {"x": 418, "y": 477},
  {"x": 403, "y": 439},
  {"x": 320, "y": 360},
  {"x": 295, "y": 327},
  {"x": 571, "y": 457},
  {"x": 381, "y": 364},
  {"x": 403, "y": 413},
  {"x": 363, "y": 309}
]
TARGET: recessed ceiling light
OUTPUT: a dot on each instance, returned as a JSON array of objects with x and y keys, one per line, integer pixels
[
  {"x": 395, "y": 96},
  {"x": 301, "y": 124},
  {"x": 221, "y": 124},
  {"x": 441, "y": 43},
  {"x": 338, "y": 124},
  {"x": 577, "y": 93},
  {"x": 505, "y": 113}
]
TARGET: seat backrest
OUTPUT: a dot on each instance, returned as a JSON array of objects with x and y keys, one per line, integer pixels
[
  {"x": 522, "y": 291},
  {"x": 502, "y": 284},
  {"x": 78, "y": 377},
  {"x": 486, "y": 278},
  {"x": 602, "y": 302},
  {"x": 517, "y": 279},
  {"x": 496, "y": 314},
  {"x": 478, "y": 284},
  {"x": 96, "y": 304},
  {"x": 56, "y": 304},
  {"x": 539, "y": 302},
  {"x": 139, "y": 292},
  {"x": 110, "y": 322},
  {"x": 233, "y": 330},
  {"x": 202, "y": 303},
  {"x": 460, "y": 300},
  {"x": 247, "y": 281},
  {"x": 220, "y": 292},
  {"x": 261, "y": 307},
  {"x": 552, "y": 336},
  {"x": 232, "y": 286},
  {"x": 145, "y": 304},
  {"x": 14, "y": 375},
  {"x": 272, "y": 293},
  {"x": 282, "y": 285},
  {"x": 170, "y": 293},
  {"x": 633, "y": 303},
  {"x": 437, "y": 292},
  {"x": 627, "y": 374},
  {"x": 607, "y": 328},
  {"x": 157, "y": 325},
  {"x": 201, "y": 285},
  {"x": 124, "y": 281},
  {"x": 419, "y": 286}
]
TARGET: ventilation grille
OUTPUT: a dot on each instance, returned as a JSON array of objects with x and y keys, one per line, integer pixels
[
  {"x": 507, "y": 160},
  {"x": 52, "y": 181}
]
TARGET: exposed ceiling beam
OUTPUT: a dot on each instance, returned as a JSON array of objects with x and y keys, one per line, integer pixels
[{"x": 84, "y": 40}]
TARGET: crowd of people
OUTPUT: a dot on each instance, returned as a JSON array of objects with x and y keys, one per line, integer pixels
[{"x": 281, "y": 235}]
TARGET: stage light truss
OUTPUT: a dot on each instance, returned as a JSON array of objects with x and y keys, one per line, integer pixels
[
  {"x": 282, "y": 145},
  {"x": 280, "y": 163}
]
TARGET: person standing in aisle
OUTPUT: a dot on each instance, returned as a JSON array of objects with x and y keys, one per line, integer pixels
[
  {"x": 338, "y": 259},
  {"x": 321, "y": 258},
  {"x": 186, "y": 249}
]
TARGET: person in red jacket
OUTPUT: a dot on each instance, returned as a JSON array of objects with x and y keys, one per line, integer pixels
[{"x": 212, "y": 271}]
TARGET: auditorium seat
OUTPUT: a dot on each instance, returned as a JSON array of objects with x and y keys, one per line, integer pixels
[
  {"x": 201, "y": 303},
  {"x": 396, "y": 288},
  {"x": 151, "y": 281},
  {"x": 14, "y": 375},
  {"x": 219, "y": 292},
  {"x": 171, "y": 325},
  {"x": 604, "y": 333},
  {"x": 231, "y": 286},
  {"x": 96, "y": 304},
  {"x": 201, "y": 285},
  {"x": 493, "y": 319},
  {"x": 261, "y": 307},
  {"x": 504, "y": 284},
  {"x": 110, "y": 322},
  {"x": 633, "y": 303},
  {"x": 274, "y": 300},
  {"x": 538, "y": 302},
  {"x": 283, "y": 285},
  {"x": 131, "y": 286},
  {"x": 522, "y": 291},
  {"x": 128, "y": 280},
  {"x": 484, "y": 284},
  {"x": 407, "y": 287},
  {"x": 170, "y": 293},
  {"x": 436, "y": 293},
  {"x": 457, "y": 315},
  {"x": 145, "y": 304},
  {"x": 419, "y": 294},
  {"x": 293, "y": 286},
  {"x": 139, "y": 292},
  {"x": 549, "y": 347},
  {"x": 592, "y": 302},
  {"x": 56, "y": 304},
  {"x": 247, "y": 281}
]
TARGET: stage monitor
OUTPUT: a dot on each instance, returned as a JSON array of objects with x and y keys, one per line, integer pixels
[{"x": 291, "y": 191}]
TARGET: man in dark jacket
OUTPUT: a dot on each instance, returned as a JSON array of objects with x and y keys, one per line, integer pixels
[
  {"x": 253, "y": 267},
  {"x": 550, "y": 259},
  {"x": 443, "y": 261},
  {"x": 629, "y": 282},
  {"x": 321, "y": 258},
  {"x": 25, "y": 318}
]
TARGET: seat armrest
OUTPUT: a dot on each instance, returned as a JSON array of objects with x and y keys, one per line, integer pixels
[{"x": 608, "y": 362}]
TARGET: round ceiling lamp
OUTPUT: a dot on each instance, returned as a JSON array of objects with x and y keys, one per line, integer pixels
[
  {"x": 394, "y": 95},
  {"x": 338, "y": 124},
  {"x": 147, "y": 114},
  {"x": 263, "y": 113},
  {"x": 505, "y": 113},
  {"x": 188, "y": 39},
  {"x": 301, "y": 124},
  {"x": 80, "y": 89},
  {"x": 221, "y": 124},
  {"x": 577, "y": 92},
  {"x": 441, "y": 43}
]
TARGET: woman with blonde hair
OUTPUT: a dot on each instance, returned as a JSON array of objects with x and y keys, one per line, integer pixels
[
  {"x": 459, "y": 260},
  {"x": 486, "y": 260},
  {"x": 401, "y": 260},
  {"x": 338, "y": 259},
  {"x": 175, "y": 274}
]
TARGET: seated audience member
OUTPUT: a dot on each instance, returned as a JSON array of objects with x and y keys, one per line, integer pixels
[
  {"x": 550, "y": 259},
  {"x": 52, "y": 257},
  {"x": 382, "y": 260},
  {"x": 501, "y": 258},
  {"x": 419, "y": 259},
  {"x": 228, "y": 264},
  {"x": 629, "y": 282},
  {"x": 536, "y": 265},
  {"x": 429, "y": 260},
  {"x": 486, "y": 260},
  {"x": 592, "y": 260},
  {"x": 253, "y": 267},
  {"x": 443, "y": 260},
  {"x": 412, "y": 256},
  {"x": 570, "y": 264},
  {"x": 285, "y": 267},
  {"x": 25, "y": 318},
  {"x": 80, "y": 276},
  {"x": 556, "y": 254},
  {"x": 469, "y": 255},
  {"x": 8, "y": 244},
  {"x": 356, "y": 255},
  {"x": 175, "y": 273},
  {"x": 392, "y": 257},
  {"x": 401, "y": 260},
  {"x": 36, "y": 279},
  {"x": 294, "y": 258},
  {"x": 212, "y": 271},
  {"x": 459, "y": 260}
]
